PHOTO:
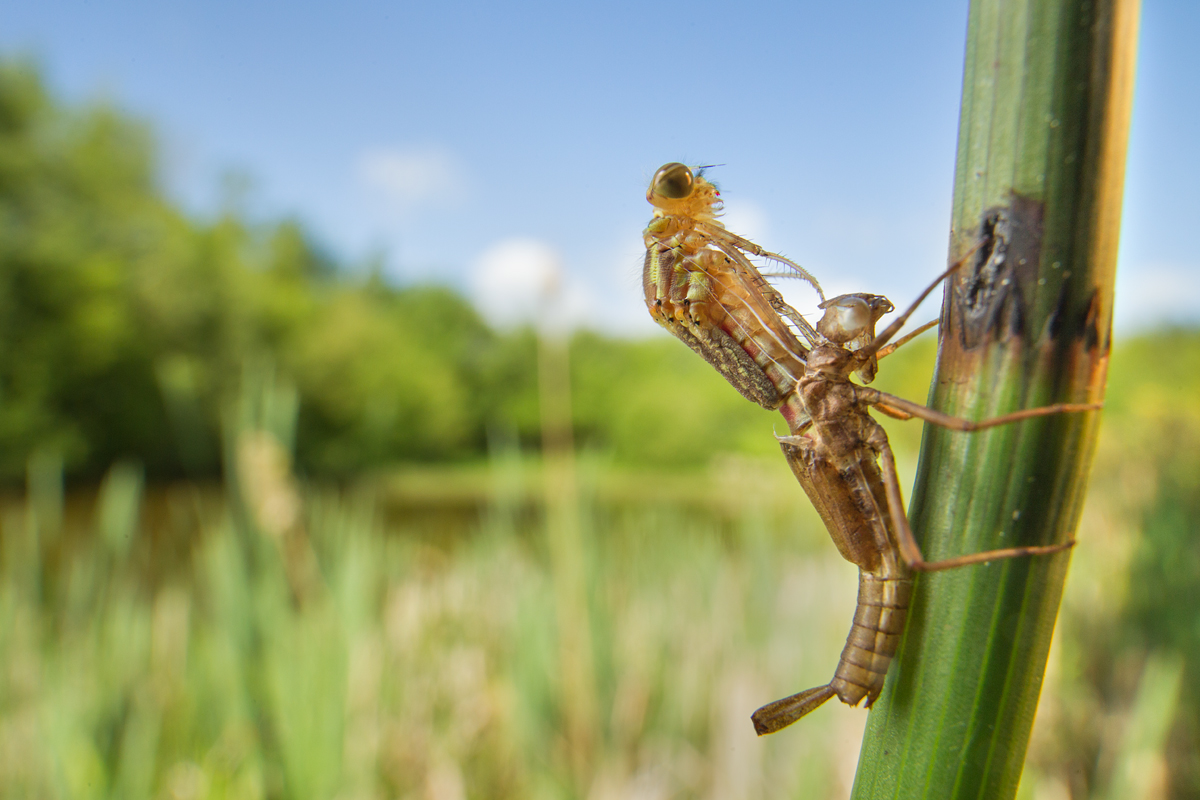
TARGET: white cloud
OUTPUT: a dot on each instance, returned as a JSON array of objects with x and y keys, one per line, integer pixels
[
  {"x": 522, "y": 280},
  {"x": 415, "y": 176}
]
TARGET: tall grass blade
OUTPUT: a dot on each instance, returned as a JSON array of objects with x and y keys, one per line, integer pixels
[{"x": 119, "y": 507}]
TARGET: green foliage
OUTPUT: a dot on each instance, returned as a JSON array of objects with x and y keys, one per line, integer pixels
[
  {"x": 377, "y": 385},
  {"x": 655, "y": 403},
  {"x": 80, "y": 223}
]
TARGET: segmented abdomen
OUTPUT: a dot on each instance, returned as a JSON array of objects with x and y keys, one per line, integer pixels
[{"x": 874, "y": 636}]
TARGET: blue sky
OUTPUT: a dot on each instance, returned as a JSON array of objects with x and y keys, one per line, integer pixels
[{"x": 473, "y": 143}]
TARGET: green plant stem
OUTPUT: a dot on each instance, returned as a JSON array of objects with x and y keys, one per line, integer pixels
[
  {"x": 567, "y": 558},
  {"x": 1041, "y": 160}
]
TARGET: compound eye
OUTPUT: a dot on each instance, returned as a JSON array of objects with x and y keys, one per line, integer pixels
[{"x": 673, "y": 181}]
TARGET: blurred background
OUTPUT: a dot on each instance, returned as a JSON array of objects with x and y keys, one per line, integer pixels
[{"x": 340, "y": 458}]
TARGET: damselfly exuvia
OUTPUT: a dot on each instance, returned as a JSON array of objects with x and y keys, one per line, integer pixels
[{"x": 701, "y": 286}]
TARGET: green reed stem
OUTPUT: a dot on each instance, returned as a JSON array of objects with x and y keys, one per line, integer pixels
[{"x": 1040, "y": 172}]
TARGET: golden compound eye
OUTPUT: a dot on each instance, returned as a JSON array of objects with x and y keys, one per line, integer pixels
[{"x": 673, "y": 181}]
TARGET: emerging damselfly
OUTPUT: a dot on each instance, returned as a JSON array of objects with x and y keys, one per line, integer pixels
[{"x": 700, "y": 285}]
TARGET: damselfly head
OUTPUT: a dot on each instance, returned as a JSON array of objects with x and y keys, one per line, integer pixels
[
  {"x": 676, "y": 189},
  {"x": 852, "y": 316}
]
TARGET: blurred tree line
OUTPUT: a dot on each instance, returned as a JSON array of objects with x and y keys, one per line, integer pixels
[{"x": 126, "y": 326}]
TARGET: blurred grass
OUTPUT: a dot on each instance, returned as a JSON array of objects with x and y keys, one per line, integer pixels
[
  {"x": 161, "y": 642},
  {"x": 1113, "y": 714},
  {"x": 181, "y": 661},
  {"x": 421, "y": 671}
]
